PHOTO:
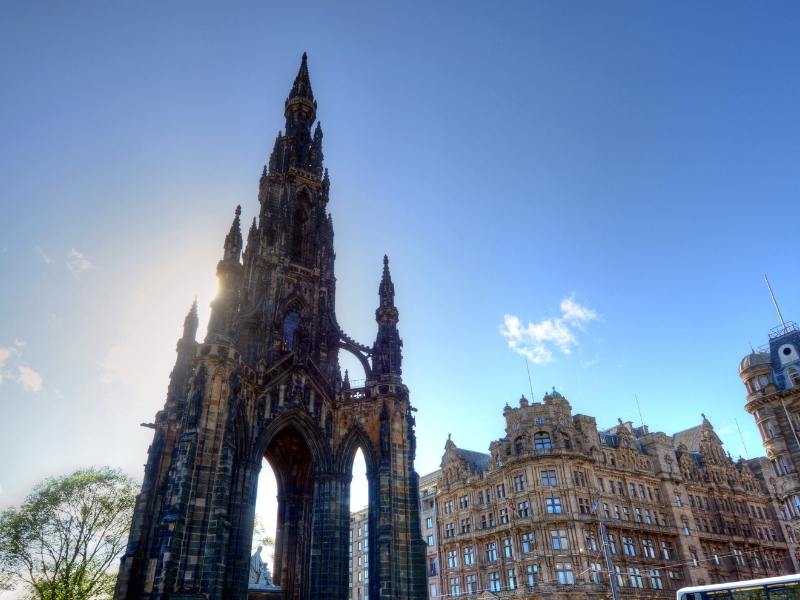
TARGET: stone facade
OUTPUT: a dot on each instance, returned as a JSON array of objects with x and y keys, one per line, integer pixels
[
  {"x": 772, "y": 379},
  {"x": 266, "y": 383},
  {"x": 527, "y": 518},
  {"x": 359, "y": 555}
]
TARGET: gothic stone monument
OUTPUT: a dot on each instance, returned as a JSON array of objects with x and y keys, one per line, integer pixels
[{"x": 266, "y": 382}]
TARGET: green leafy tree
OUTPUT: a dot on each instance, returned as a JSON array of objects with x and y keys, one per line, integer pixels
[
  {"x": 64, "y": 540},
  {"x": 260, "y": 537}
]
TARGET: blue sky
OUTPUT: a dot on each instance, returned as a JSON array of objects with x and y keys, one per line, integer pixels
[{"x": 618, "y": 175}]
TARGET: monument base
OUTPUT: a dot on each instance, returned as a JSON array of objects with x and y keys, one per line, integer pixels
[{"x": 276, "y": 594}]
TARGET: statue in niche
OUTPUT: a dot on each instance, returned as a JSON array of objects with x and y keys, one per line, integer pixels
[{"x": 260, "y": 577}]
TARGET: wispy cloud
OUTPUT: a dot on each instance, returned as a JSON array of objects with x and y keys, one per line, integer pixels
[
  {"x": 30, "y": 380},
  {"x": 47, "y": 260},
  {"x": 77, "y": 263},
  {"x": 538, "y": 341}
]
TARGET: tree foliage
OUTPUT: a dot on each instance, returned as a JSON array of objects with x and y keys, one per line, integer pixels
[{"x": 63, "y": 541}]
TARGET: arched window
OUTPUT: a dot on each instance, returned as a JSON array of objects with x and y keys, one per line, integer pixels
[
  {"x": 541, "y": 440},
  {"x": 298, "y": 232},
  {"x": 290, "y": 324}
]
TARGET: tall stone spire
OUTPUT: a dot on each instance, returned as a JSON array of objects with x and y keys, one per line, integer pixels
[
  {"x": 183, "y": 363},
  {"x": 302, "y": 83},
  {"x": 387, "y": 354},
  {"x": 300, "y": 107}
]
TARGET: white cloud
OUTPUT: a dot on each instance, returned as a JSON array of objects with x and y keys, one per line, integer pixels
[
  {"x": 77, "y": 263},
  {"x": 19, "y": 343},
  {"x": 29, "y": 379},
  {"x": 538, "y": 341},
  {"x": 47, "y": 260}
]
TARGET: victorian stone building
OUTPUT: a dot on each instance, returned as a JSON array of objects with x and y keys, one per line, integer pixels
[
  {"x": 266, "y": 382},
  {"x": 527, "y": 518},
  {"x": 772, "y": 379}
]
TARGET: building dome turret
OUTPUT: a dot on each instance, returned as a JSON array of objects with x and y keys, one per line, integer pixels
[{"x": 754, "y": 359}]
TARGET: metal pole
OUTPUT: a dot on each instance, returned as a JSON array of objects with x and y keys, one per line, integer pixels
[
  {"x": 612, "y": 576},
  {"x": 775, "y": 302}
]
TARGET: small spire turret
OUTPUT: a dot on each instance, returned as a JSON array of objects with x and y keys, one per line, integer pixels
[
  {"x": 233, "y": 241},
  {"x": 387, "y": 354},
  {"x": 301, "y": 108},
  {"x": 190, "y": 322}
]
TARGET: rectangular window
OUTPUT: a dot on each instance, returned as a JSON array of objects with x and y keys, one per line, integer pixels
[
  {"x": 626, "y": 513},
  {"x": 511, "y": 579},
  {"x": 612, "y": 543},
  {"x": 559, "y": 539},
  {"x": 527, "y": 542},
  {"x": 434, "y": 590},
  {"x": 655, "y": 580},
  {"x": 678, "y": 500},
  {"x": 472, "y": 584},
  {"x": 469, "y": 556},
  {"x": 648, "y": 548},
  {"x": 549, "y": 477},
  {"x": 452, "y": 559},
  {"x": 501, "y": 490},
  {"x": 666, "y": 551},
  {"x": 552, "y": 505},
  {"x": 429, "y": 523},
  {"x": 430, "y": 540},
  {"x": 602, "y": 485},
  {"x": 491, "y": 551},
  {"x": 565, "y": 574},
  {"x": 638, "y": 514},
  {"x": 583, "y": 506},
  {"x": 519, "y": 483},
  {"x": 617, "y": 514},
  {"x": 595, "y": 572},
  {"x": 455, "y": 586},
  {"x": 635, "y": 577},
  {"x": 508, "y": 548},
  {"x": 523, "y": 509},
  {"x": 606, "y": 512},
  {"x": 450, "y": 530},
  {"x": 432, "y": 570},
  {"x": 463, "y": 502},
  {"x": 530, "y": 574},
  {"x": 632, "y": 490},
  {"x": 628, "y": 549},
  {"x": 466, "y": 525},
  {"x": 494, "y": 581},
  {"x": 648, "y": 516},
  {"x": 448, "y": 506},
  {"x": 503, "y": 516},
  {"x": 591, "y": 540}
]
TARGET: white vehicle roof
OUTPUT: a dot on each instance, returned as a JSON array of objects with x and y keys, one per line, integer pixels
[{"x": 737, "y": 584}]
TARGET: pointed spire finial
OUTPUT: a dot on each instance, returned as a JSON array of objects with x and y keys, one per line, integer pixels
[
  {"x": 233, "y": 241},
  {"x": 302, "y": 83},
  {"x": 190, "y": 322}
]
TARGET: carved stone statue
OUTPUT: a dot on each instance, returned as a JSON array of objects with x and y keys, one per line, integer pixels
[{"x": 260, "y": 577}]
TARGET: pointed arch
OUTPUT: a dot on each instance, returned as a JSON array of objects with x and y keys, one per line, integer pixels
[
  {"x": 356, "y": 438},
  {"x": 307, "y": 429}
]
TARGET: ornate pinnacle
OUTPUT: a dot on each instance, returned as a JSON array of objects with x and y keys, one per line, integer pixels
[
  {"x": 233, "y": 241},
  {"x": 386, "y": 288},
  {"x": 190, "y": 322},
  {"x": 302, "y": 83}
]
